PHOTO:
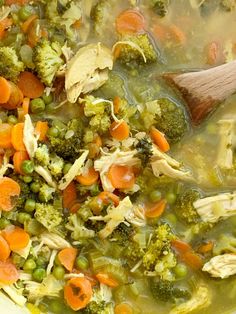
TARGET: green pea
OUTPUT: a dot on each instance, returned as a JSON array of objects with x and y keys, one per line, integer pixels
[
  {"x": 171, "y": 198},
  {"x": 47, "y": 99},
  {"x": 155, "y": 196},
  {"x": 29, "y": 265},
  {"x": 27, "y": 179},
  {"x": 171, "y": 218},
  {"x": 37, "y": 105},
  {"x": 39, "y": 274},
  {"x": 53, "y": 131},
  {"x": 4, "y": 222},
  {"x": 66, "y": 168},
  {"x": 82, "y": 263},
  {"x": 41, "y": 261},
  {"x": 27, "y": 167},
  {"x": 35, "y": 187},
  {"x": 33, "y": 227},
  {"x": 30, "y": 205},
  {"x": 57, "y": 261},
  {"x": 181, "y": 270},
  {"x": 25, "y": 12},
  {"x": 23, "y": 217},
  {"x": 17, "y": 260},
  {"x": 55, "y": 306},
  {"x": 12, "y": 119},
  {"x": 58, "y": 272}
]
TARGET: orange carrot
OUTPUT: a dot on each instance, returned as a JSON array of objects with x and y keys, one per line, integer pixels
[
  {"x": 123, "y": 308},
  {"x": 116, "y": 104},
  {"x": 181, "y": 246},
  {"x": 19, "y": 2},
  {"x": 69, "y": 195},
  {"x": 8, "y": 273},
  {"x": 108, "y": 198},
  {"x": 119, "y": 130},
  {"x": 5, "y": 135},
  {"x": 192, "y": 260},
  {"x": 97, "y": 140},
  {"x": 75, "y": 207},
  {"x": 4, "y": 24},
  {"x": 206, "y": 247},
  {"x": 2, "y": 31},
  {"x": 5, "y": 90},
  {"x": 30, "y": 85},
  {"x": 16, "y": 98},
  {"x": 161, "y": 32},
  {"x": 177, "y": 34},
  {"x": 106, "y": 280},
  {"x": 17, "y": 136},
  {"x": 4, "y": 249},
  {"x": 9, "y": 192},
  {"x": 121, "y": 177},
  {"x": 156, "y": 210},
  {"x": 42, "y": 129},
  {"x": 25, "y": 105},
  {"x": 214, "y": 53},
  {"x": 16, "y": 237},
  {"x": 159, "y": 139},
  {"x": 27, "y": 24},
  {"x": 18, "y": 159},
  {"x": 34, "y": 33},
  {"x": 78, "y": 293},
  {"x": 67, "y": 257},
  {"x": 130, "y": 21},
  {"x": 88, "y": 178}
]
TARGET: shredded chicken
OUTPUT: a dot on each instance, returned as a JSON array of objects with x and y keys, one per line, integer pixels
[
  {"x": 200, "y": 300},
  {"x": 29, "y": 137},
  {"x": 221, "y": 266},
  {"x": 213, "y": 208},
  {"x": 14, "y": 294},
  {"x": 54, "y": 241},
  {"x": 225, "y": 152},
  {"x": 45, "y": 173},
  {"x": 87, "y": 70}
]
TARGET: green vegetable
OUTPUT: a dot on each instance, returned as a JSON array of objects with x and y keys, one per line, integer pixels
[
  {"x": 47, "y": 60},
  {"x": 33, "y": 227},
  {"x": 29, "y": 265},
  {"x": 170, "y": 197},
  {"x": 181, "y": 270},
  {"x": 144, "y": 148},
  {"x": 47, "y": 98},
  {"x": 37, "y": 105},
  {"x": 10, "y": 65},
  {"x": 39, "y": 274},
  {"x": 82, "y": 262},
  {"x": 30, "y": 205},
  {"x": 78, "y": 231},
  {"x": 155, "y": 196},
  {"x": 25, "y": 12},
  {"x": 23, "y": 217},
  {"x": 42, "y": 155},
  {"x": 100, "y": 123},
  {"x": 160, "y": 7},
  {"x": 66, "y": 168},
  {"x": 35, "y": 187},
  {"x": 46, "y": 193},
  {"x": 4, "y": 222},
  {"x": 58, "y": 272},
  {"x": 27, "y": 167},
  {"x": 48, "y": 216},
  {"x": 12, "y": 119},
  {"x": 27, "y": 179},
  {"x": 100, "y": 15},
  {"x": 53, "y": 131}
]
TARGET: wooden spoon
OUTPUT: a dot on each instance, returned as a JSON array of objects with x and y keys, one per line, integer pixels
[{"x": 204, "y": 90}]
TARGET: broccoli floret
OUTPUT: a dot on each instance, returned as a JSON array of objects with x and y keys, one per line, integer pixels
[
  {"x": 184, "y": 206},
  {"x": 126, "y": 110},
  {"x": 101, "y": 307},
  {"x": 171, "y": 120},
  {"x": 42, "y": 155},
  {"x": 160, "y": 7},
  {"x": 228, "y": 5},
  {"x": 100, "y": 14},
  {"x": 46, "y": 57},
  {"x": 78, "y": 231},
  {"x": 144, "y": 149},
  {"x": 46, "y": 193},
  {"x": 129, "y": 53},
  {"x": 100, "y": 123},
  {"x": 56, "y": 165},
  {"x": 67, "y": 145},
  {"x": 10, "y": 65},
  {"x": 48, "y": 216},
  {"x": 165, "y": 291}
]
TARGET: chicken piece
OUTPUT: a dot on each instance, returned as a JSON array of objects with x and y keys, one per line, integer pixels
[
  {"x": 201, "y": 299},
  {"x": 212, "y": 209},
  {"x": 221, "y": 266},
  {"x": 87, "y": 70},
  {"x": 225, "y": 152}
]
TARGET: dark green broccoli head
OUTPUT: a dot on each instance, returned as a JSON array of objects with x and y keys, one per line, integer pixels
[
  {"x": 131, "y": 52},
  {"x": 184, "y": 206},
  {"x": 144, "y": 149},
  {"x": 10, "y": 65},
  {"x": 100, "y": 14},
  {"x": 171, "y": 121},
  {"x": 47, "y": 60},
  {"x": 94, "y": 308},
  {"x": 165, "y": 291},
  {"x": 160, "y": 7}
]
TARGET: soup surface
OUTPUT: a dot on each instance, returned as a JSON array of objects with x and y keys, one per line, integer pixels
[{"x": 111, "y": 199}]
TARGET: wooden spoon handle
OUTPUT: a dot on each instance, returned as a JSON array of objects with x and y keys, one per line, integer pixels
[{"x": 203, "y": 90}]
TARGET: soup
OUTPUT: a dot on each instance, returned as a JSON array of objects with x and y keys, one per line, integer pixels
[{"x": 112, "y": 200}]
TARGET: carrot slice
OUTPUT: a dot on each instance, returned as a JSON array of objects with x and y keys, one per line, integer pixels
[
  {"x": 9, "y": 192},
  {"x": 18, "y": 159},
  {"x": 130, "y": 21},
  {"x": 25, "y": 105},
  {"x": 119, "y": 130},
  {"x": 5, "y": 135},
  {"x": 177, "y": 34},
  {"x": 69, "y": 195},
  {"x": 67, "y": 257},
  {"x": 16, "y": 237},
  {"x": 17, "y": 136},
  {"x": 27, "y": 24},
  {"x": 97, "y": 140},
  {"x": 192, "y": 260},
  {"x": 89, "y": 178},
  {"x": 106, "y": 280},
  {"x": 5, "y": 90},
  {"x": 206, "y": 247},
  {"x": 8, "y": 273},
  {"x": 116, "y": 104},
  {"x": 42, "y": 129},
  {"x": 19, "y": 2},
  {"x": 78, "y": 293},
  {"x": 121, "y": 177},
  {"x": 4, "y": 249},
  {"x": 159, "y": 139},
  {"x": 16, "y": 98},
  {"x": 75, "y": 207},
  {"x": 30, "y": 85},
  {"x": 123, "y": 308},
  {"x": 156, "y": 210},
  {"x": 181, "y": 246},
  {"x": 108, "y": 198}
]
